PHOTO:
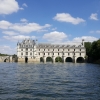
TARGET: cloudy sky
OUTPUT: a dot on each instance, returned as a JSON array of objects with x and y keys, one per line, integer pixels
[{"x": 53, "y": 21}]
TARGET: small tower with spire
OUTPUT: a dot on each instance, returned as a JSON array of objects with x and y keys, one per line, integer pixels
[{"x": 83, "y": 42}]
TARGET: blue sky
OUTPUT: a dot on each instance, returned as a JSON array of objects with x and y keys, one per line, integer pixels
[{"x": 52, "y": 21}]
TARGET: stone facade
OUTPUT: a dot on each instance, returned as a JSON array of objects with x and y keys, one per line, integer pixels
[{"x": 30, "y": 51}]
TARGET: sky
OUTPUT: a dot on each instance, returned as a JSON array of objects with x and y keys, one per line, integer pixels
[{"x": 48, "y": 21}]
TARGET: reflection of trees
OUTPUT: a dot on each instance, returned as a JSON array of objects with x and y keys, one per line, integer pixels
[
  {"x": 58, "y": 59},
  {"x": 49, "y": 59}
]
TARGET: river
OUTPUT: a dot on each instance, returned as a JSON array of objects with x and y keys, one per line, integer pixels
[{"x": 49, "y": 81}]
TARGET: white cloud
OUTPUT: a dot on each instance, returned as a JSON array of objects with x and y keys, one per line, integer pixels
[
  {"x": 5, "y": 24},
  {"x": 94, "y": 16},
  {"x": 8, "y": 6},
  {"x": 9, "y": 33},
  {"x": 86, "y": 39},
  {"x": 97, "y": 31},
  {"x": 25, "y": 5},
  {"x": 22, "y": 27},
  {"x": 21, "y": 8},
  {"x": 24, "y": 20},
  {"x": 4, "y": 49},
  {"x": 54, "y": 28},
  {"x": 66, "y": 17},
  {"x": 28, "y": 27},
  {"x": 18, "y": 37},
  {"x": 55, "y": 36}
]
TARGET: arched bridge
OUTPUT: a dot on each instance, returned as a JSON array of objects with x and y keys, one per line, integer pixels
[{"x": 5, "y": 58}]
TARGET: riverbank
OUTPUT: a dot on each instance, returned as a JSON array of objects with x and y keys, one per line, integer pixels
[{"x": 97, "y": 61}]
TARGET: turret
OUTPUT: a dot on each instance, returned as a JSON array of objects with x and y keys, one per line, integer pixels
[{"x": 83, "y": 42}]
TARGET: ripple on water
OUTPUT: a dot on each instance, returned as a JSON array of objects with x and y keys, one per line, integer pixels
[{"x": 49, "y": 81}]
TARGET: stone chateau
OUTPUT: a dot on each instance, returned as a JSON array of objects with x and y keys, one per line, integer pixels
[{"x": 31, "y": 51}]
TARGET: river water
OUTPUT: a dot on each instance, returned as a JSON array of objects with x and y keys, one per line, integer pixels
[{"x": 49, "y": 81}]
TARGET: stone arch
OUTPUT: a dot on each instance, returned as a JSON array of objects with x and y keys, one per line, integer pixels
[
  {"x": 58, "y": 59},
  {"x": 41, "y": 59},
  {"x": 26, "y": 59},
  {"x": 80, "y": 60},
  {"x": 68, "y": 59},
  {"x": 49, "y": 59},
  {"x": 5, "y": 60}
]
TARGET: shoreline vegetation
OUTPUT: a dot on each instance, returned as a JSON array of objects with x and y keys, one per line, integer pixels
[{"x": 93, "y": 52}]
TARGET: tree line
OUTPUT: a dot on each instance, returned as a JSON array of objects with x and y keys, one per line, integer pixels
[{"x": 93, "y": 51}]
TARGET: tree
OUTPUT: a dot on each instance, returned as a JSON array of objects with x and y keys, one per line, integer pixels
[{"x": 88, "y": 48}]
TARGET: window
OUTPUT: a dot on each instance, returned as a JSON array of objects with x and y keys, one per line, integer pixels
[
  {"x": 58, "y": 49},
  {"x": 80, "y": 49},
  {"x": 30, "y": 49},
  {"x": 30, "y": 53},
  {"x": 80, "y": 54},
  {"x": 26, "y": 53},
  {"x": 26, "y": 49},
  {"x": 21, "y": 49},
  {"x": 39, "y": 53},
  {"x": 48, "y": 49},
  {"x": 48, "y": 53},
  {"x": 53, "y": 49},
  {"x": 74, "y": 49},
  {"x": 39, "y": 49},
  {"x": 68, "y": 49},
  {"x": 44, "y": 53},
  {"x": 58, "y": 53},
  {"x": 63, "y": 53},
  {"x": 68, "y": 53},
  {"x": 44, "y": 49},
  {"x": 74, "y": 53},
  {"x": 21, "y": 53},
  {"x": 53, "y": 53}
]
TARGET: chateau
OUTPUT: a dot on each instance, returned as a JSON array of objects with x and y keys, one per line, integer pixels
[{"x": 31, "y": 51}]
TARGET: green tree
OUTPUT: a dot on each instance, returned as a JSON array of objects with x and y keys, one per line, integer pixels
[{"x": 88, "y": 48}]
